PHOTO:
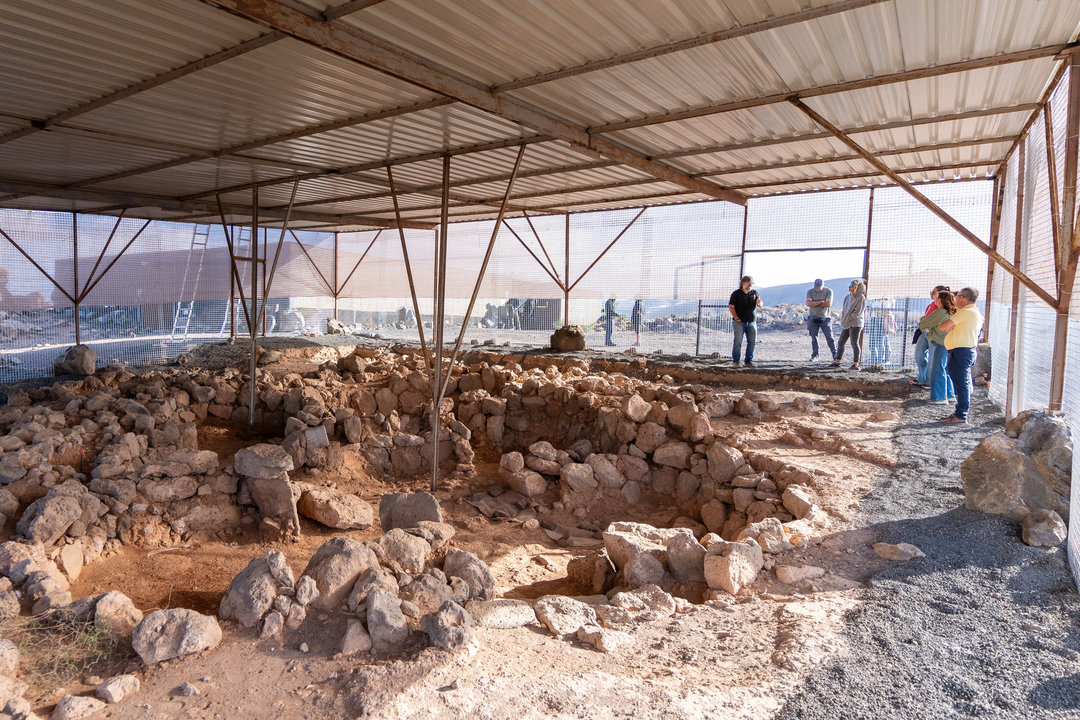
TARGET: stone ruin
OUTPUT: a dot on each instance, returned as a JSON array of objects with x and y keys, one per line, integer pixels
[{"x": 114, "y": 458}]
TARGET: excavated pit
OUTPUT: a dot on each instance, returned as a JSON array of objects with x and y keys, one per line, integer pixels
[{"x": 540, "y": 454}]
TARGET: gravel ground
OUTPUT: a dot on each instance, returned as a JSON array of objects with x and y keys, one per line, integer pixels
[{"x": 983, "y": 626}]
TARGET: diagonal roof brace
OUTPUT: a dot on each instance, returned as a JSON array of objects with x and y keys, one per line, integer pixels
[{"x": 361, "y": 47}]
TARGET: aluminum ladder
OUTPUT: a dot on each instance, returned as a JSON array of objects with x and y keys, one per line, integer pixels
[{"x": 200, "y": 238}]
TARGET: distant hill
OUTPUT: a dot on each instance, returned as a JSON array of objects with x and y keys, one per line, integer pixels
[{"x": 795, "y": 294}]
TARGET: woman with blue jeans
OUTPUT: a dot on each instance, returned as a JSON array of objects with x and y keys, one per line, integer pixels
[
  {"x": 922, "y": 344},
  {"x": 941, "y": 386}
]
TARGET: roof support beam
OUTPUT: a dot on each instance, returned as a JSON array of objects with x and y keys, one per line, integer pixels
[
  {"x": 929, "y": 204},
  {"x": 333, "y": 13},
  {"x": 862, "y": 84},
  {"x": 368, "y": 50},
  {"x": 118, "y": 200},
  {"x": 688, "y": 44},
  {"x": 895, "y": 125},
  {"x": 148, "y": 84}
]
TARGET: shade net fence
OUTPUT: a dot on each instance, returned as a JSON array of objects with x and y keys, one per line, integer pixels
[{"x": 1021, "y": 325}]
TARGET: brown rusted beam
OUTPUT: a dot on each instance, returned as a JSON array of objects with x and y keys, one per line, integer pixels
[
  {"x": 118, "y": 200},
  {"x": 101, "y": 255},
  {"x": 483, "y": 270},
  {"x": 605, "y": 252},
  {"x": 1068, "y": 230},
  {"x": 861, "y": 84},
  {"x": 326, "y": 282},
  {"x": 1061, "y": 248},
  {"x": 539, "y": 241},
  {"x": 929, "y": 204},
  {"x": 333, "y": 13},
  {"x": 1010, "y": 383},
  {"x": 90, "y": 287},
  {"x": 357, "y": 265},
  {"x": 362, "y": 47},
  {"x": 690, "y": 43},
  {"x": 143, "y": 85},
  {"x": 408, "y": 267},
  {"x": 539, "y": 262},
  {"x": 34, "y": 262},
  {"x": 268, "y": 279},
  {"x": 855, "y": 130},
  {"x": 1043, "y": 100},
  {"x": 995, "y": 232}
]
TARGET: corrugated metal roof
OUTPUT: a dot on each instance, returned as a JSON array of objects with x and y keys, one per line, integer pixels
[{"x": 183, "y": 98}]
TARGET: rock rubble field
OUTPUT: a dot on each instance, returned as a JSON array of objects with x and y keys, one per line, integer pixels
[{"x": 603, "y": 508}]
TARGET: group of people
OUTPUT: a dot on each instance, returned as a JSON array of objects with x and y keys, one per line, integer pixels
[
  {"x": 945, "y": 348},
  {"x": 609, "y": 315},
  {"x": 743, "y": 306},
  {"x": 945, "y": 342}
]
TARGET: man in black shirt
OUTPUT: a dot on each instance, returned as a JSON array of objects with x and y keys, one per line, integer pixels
[{"x": 742, "y": 305}]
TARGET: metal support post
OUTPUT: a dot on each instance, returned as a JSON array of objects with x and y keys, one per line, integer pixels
[
  {"x": 866, "y": 263},
  {"x": 254, "y": 327},
  {"x": 566, "y": 274},
  {"x": 1067, "y": 234},
  {"x": 1010, "y": 385},
  {"x": 437, "y": 329},
  {"x": 75, "y": 273},
  {"x": 335, "y": 276}
]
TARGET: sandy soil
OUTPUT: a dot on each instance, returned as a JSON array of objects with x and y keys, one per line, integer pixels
[{"x": 856, "y": 642}]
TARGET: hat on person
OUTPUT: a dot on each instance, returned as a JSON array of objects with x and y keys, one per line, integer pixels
[{"x": 818, "y": 283}]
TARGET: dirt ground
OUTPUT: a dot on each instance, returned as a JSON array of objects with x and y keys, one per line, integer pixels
[{"x": 851, "y": 643}]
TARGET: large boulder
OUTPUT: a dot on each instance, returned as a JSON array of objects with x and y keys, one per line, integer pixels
[
  {"x": 563, "y": 616},
  {"x": 78, "y": 360},
  {"x": 449, "y": 628},
  {"x": 625, "y": 540},
  {"x": 733, "y": 565},
  {"x": 47, "y": 519},
  {"x": 1011, "y": 477},
  {"x": 336, "y": 509},
  {"x": 568, "y": 339},
  {"x": 407, "y": 510},
  {"x": 473, "y": 571},
  {"x": 386, "y": 624},
  {"x": 263, "y": 461},
  {"x": 334, "y": 567},
  {"x": 167, "y": 634},
  {"x": 401, "y": 550},
  {"x": 250, "y": 595},
  {"x": 276, "y": 498}
]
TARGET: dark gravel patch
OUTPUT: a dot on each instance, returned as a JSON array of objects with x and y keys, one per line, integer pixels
[{"x": 984, "y": 626}]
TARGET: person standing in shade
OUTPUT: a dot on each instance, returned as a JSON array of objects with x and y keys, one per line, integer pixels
[
  {"x": 637, "y": 317},
  {"x": 962, "y": 336},
  {"x": 819, "y": 300},
  {"x": 608, "y": 318},
  {"x": 742, "y": 305},
  {"x": 941, "y": 386},
  {"x": 851, "y": 320},
  {"x": 922, "y": 343}
]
